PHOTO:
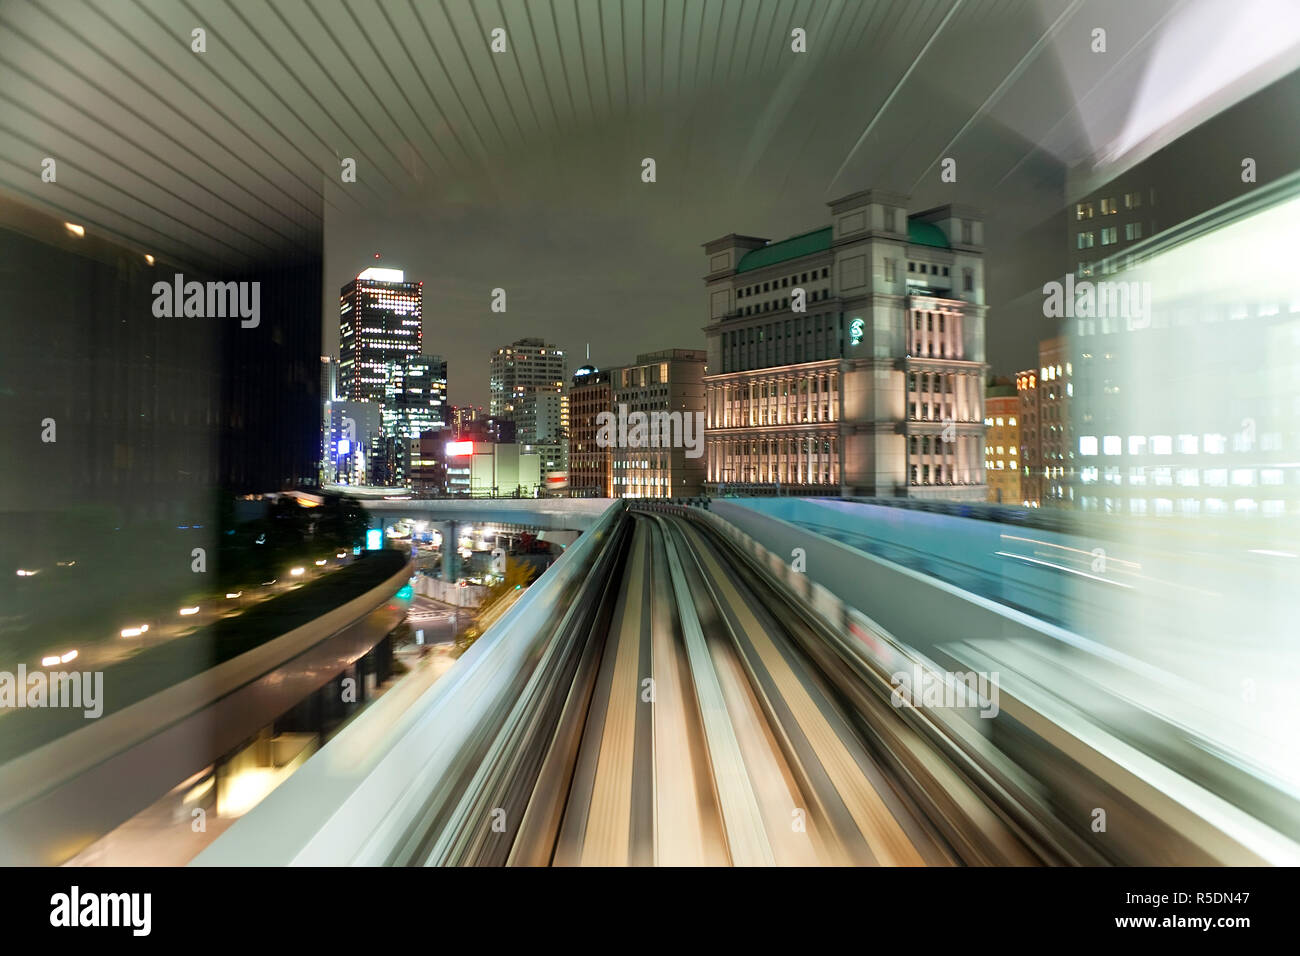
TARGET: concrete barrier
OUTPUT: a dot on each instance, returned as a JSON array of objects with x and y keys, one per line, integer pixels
[{"x": 59, "y": 798}]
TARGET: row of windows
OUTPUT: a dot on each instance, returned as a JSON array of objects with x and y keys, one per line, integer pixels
[
  {"x": 1109, "y": 207},
  {"x": 782, "y": 283},
  {"x": 921, "y": 445},
  {"x": 777, "y": 305},
  {"x": 1109, "y": 235},
  {"x": 1210, "y": 444},
  {"x": 1187, "y": 477},
  {"x": 1166, "y": 506},
  {"x": 932, "y": 269}
]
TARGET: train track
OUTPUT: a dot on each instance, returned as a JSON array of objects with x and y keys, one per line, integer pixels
[{"x": 682, "y": 714}]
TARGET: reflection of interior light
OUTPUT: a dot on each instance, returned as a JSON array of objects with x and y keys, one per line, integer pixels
[
  {"x": 246, "y": 789},
  {"x": 200, "y": 791},
  {"x": 73, "y": 228}
]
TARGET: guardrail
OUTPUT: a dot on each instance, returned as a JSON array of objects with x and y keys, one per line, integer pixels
[
  {"x": 1050, "y": 769},
  {"x": 60, "y": 797},
  {"x": 399, "y": 771}
]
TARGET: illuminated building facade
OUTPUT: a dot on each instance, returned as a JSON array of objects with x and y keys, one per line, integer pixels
[
  {"x": 875, "y": 386},
  {"x": 1190, "y": 410},
  {"x": 1031, "y": 452},
  {"x": 1055, "y": 426},
  {"x": 355, "y": 440},
  {"x": 591, "y": 393},
  {"x": 462, "y": 415},
  {"x": 669, "y": 382},
  {"x": 1002, "y": 443},
  {"x": 527, "y": 387},
  {"x": 379, "y": 324}
]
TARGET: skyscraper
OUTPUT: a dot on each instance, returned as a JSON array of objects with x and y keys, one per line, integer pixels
[
  {"x": 527, "y": 387},
  {"x": 379, "y": 324},
  {"x": 415, "y": 397},
  {"x": 523, "y": 373},
  {"x": 415, "y": 402}
]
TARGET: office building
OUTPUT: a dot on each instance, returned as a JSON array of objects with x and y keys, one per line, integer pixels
[
  {"x": 521, "y": 372},
  {"x": 590, "y": 464},
  {"x": 462, "y": 415},
  {"x": 1031, "y": 451},
  {"x": 1055, "y": 426},
  {"x": 667, "y": 460},
  {"x": 1002, "y": 443},
  {"x": 491, "y": 470},
  {"x": 1189, "y": 410},
  {"x": 1179, "y": 402},
  {"x": 415, "y": 398},
  {"x": 379, "y": 325},
  {"x": 356, "y": 441},
  {"x": 850, "y": 359},
  {"x": 527, "y": 387}
]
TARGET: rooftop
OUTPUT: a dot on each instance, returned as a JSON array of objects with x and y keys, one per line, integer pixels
[{"x": 819, "y": 240}]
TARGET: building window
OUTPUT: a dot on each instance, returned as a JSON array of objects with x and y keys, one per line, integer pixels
[
  {"x": 911, "y": 267},
  {"x": 1133, "y": 230},
  {"x": 1082, "y": 211},
  {"x": 968, "y": 280}
]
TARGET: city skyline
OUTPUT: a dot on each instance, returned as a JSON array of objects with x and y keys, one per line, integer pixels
[{"x": 654, "y": 433}]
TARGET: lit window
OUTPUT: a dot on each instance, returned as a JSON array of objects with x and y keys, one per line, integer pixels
[
  {"x": 1088, "y": 445},
  {"x": 1161, "y": 445},
  {"x": 1111, "y": 445}
]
